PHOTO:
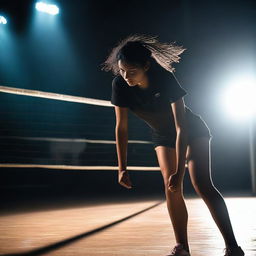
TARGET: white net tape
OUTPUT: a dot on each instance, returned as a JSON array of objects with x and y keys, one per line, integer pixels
[
  {"x": 76, "y": 140},
  {"x": 72, "y": 167},
  {"x": 55, "y": 96}
]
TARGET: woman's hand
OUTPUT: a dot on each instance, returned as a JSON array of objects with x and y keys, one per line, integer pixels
[
  {"x": 174, "y": 182},
  {"x": 124, "y": 179}
]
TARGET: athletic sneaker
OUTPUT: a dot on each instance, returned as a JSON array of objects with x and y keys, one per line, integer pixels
[
  {"x": 237, "y": 251},
  {"x": 179, "y": 250}
]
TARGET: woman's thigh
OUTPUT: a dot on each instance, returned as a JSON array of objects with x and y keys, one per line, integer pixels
[
  {"x": 199, "y": 162},
  {"x": 166, "y": 157}
]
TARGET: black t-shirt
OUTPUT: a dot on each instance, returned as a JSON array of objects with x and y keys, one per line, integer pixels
[{"x": 153, "y": 103}]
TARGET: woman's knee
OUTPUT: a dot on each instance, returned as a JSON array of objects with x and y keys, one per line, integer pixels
[{"x": 205, "y": 189}]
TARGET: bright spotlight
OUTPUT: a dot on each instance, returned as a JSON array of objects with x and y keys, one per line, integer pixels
[
  {"x": 239, "y": 98},
  {"x": 47, "y": 8},
  {"x": 3, "y": 20}
]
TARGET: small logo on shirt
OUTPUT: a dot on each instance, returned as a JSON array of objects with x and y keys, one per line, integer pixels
[{"x": 157, "y": 95}]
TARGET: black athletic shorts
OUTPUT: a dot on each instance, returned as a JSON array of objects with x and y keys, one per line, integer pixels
[{"x": 197, "y": 127}]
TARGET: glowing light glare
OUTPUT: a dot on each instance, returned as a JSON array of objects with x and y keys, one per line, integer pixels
[
  {"x": 3, "y": 20},
  {"x": 47, "y": 8},
  {"x": 239, "y": 98}
]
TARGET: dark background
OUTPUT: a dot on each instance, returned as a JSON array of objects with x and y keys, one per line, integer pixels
[{"x": 64, "y": 53}]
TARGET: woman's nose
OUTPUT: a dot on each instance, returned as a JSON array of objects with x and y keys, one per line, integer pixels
[{"x": 125, "y": 75}]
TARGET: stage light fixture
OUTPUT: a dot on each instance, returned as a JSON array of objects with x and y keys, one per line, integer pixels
[
  {"x": 47, "y": 8},
  {"x": 3, "y": 20},
  {"x": 239, "y": 98}
]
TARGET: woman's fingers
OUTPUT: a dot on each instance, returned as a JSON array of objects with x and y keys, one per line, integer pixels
[
  {"x": 124, "y": 179},
  {"x": 173, "y": 183},
  {"x": 172, "y": 188},
  {"x": 126, "y": 185}
]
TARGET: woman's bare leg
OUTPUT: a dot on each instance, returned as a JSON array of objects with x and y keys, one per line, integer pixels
[
  {"x": 199, "y": 165},
  {"x": 175, "y": 201}
]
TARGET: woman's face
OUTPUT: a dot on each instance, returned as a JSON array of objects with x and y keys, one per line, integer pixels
[{"x": 133, "y": 75}]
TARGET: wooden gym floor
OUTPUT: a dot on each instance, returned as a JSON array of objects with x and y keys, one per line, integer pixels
[{"x": 122, "y": 227}]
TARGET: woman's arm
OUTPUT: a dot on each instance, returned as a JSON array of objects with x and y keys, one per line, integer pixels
[
  {"x": 178, "y": 109},
  {"x": 121, "y": 133}
]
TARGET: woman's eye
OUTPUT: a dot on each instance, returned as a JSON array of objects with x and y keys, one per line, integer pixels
[{"x": 130, "y": 73}]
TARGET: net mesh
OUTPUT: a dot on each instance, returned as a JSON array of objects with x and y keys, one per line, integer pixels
[{"x": 51, "y": 130}]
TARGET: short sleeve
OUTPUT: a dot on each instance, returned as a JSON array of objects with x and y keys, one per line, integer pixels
[
  {"x": 119, "y": 96},
  {"x": 175, "y": 91}
]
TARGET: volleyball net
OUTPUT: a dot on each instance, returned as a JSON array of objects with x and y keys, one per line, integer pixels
[{"x": 51, "y": 130}]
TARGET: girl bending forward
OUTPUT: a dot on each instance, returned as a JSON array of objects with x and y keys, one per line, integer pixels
[{"x": 145, "y": 84}]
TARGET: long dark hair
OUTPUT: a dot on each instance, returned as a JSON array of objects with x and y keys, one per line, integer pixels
[{"x": 138, "y": 49}]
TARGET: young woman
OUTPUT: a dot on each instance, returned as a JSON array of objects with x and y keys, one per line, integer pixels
[{"x": 146, "y": 85}]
